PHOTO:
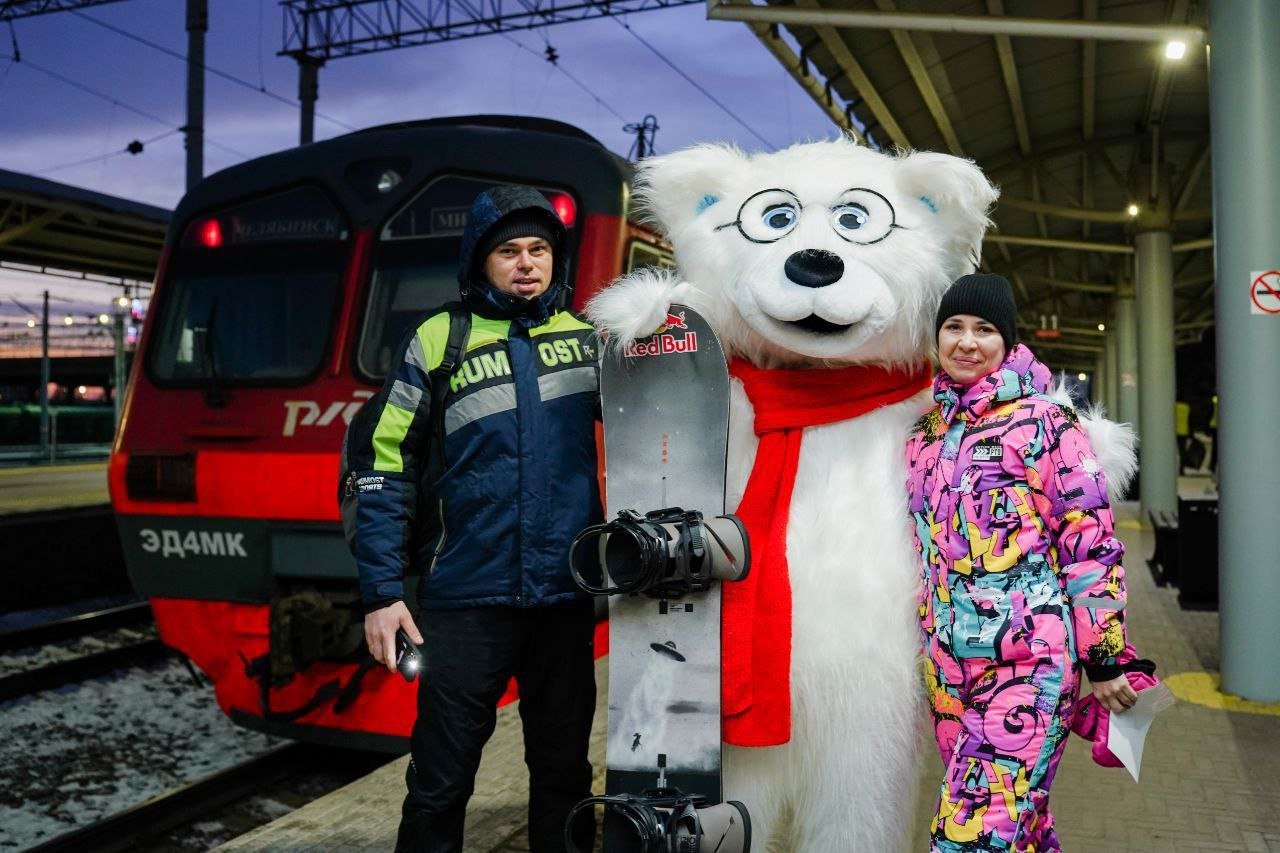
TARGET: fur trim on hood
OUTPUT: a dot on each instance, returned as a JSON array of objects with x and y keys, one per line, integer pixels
[{"x": 1115, "y": 444}]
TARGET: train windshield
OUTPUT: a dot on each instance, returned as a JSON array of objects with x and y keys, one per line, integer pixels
[
  {"x": 253, "y": 292},
  {"x": 415, "y": 265}
]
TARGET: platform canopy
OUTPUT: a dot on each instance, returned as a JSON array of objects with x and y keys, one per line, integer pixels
[
  {"x": 1071, "y": 106},
  {"x": 48, "y": 225}
]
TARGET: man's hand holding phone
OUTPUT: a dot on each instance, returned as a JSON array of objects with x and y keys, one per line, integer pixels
[{"x": 380, "y": 630}]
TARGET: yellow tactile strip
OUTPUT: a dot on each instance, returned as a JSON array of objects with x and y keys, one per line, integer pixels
[{"x": 1203, "y": 688}]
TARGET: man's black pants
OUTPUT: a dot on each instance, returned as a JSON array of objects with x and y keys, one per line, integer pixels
[{"x": 469, "y": 656}]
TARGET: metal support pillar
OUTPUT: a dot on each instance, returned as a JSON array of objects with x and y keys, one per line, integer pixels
[
  {"x": 1126, "y": 357},
  {"x": 1110, "y": 374},
  {"x": 1099, "y": 383},
  {"x": 118, "y": 374},
  {"x": 1157, "y": 427},
  {"x": 197, "y": 26},
  {"x": 308, "y": 94},
  {"x": 44, "y": 378},
  {"x": 1244, "y": 106}
]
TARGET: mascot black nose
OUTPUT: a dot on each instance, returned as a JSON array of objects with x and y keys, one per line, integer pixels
[{"x": 814, "y": 268}]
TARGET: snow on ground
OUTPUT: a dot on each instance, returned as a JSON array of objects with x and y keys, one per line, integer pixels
[
  {"x": 74, "y": 755},
  {"x": 36, "y": 657}
]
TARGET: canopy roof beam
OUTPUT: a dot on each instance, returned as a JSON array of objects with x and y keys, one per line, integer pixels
[
  {"x": 808, "y": 81},
  {"x": 919, "y": 74},
  {"x": 32, "y": 225},
  {"x": 943, "y": 23},
  {"x": 843, "y": 56}
]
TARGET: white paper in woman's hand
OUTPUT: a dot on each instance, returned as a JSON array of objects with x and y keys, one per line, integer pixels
[{"x": 1127, "y": 732}]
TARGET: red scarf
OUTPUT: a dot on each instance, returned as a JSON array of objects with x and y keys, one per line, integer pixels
[{"x": 756, "y": 627}]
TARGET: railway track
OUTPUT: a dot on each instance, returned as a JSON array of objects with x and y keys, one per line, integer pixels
[
  {"x": 76, "y": 626},
  {"x": 82, "y": 667},
  {"x": 181, "y": 805},
  {"x": 219, "y": 806}
]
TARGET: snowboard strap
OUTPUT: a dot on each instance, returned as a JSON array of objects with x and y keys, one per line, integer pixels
[{"x": 756, "y": 625}]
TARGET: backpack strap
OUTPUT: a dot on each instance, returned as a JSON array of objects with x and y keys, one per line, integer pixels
[
  {"x": 454, "y": 350},
  {"x": 455, "y": 347}
]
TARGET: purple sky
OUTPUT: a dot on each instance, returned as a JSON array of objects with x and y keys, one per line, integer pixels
[{"x": 48, "y": 123}]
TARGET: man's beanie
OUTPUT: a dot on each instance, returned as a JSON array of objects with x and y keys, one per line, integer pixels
[
  {"x": 528, "y": 222},
  {"x": 983, "y": 295}
]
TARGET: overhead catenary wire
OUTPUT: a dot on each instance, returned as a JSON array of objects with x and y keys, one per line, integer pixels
[
  {"x": 108, "y": 155},
  {"x": 260, "y": 89},
  {"x": 695, "y": 84},
  {"x": 116, "y": 101},
  {"x": 565, "y": 72},
  {"x": 27, "y": 63}
]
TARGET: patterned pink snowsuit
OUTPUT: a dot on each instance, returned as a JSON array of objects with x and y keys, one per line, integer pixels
[{"x": 1022, "y": 584}]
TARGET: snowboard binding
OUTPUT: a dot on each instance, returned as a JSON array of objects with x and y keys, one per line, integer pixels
[
  {"x": 666, "y": 820},
  {"x": 667, "y": 553}
]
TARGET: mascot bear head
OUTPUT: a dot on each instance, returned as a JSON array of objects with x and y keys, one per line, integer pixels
[{"x": 822, "y": 253}]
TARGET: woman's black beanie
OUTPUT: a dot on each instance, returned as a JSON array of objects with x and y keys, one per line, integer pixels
[{"x": 984, "y": 295}]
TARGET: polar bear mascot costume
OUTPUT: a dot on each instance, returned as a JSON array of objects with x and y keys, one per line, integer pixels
[{"x": 820, "y": 267}]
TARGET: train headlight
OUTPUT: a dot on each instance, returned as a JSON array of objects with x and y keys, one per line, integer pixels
[{"x": 388, "y": 180}]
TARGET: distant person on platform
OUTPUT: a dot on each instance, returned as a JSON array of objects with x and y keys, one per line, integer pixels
[{"x": 496, "y": 596}]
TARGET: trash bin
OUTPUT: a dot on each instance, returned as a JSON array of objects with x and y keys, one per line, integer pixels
[
  {"x": 1164, "y": 561},
  {"x": 1198, "y": 553}
]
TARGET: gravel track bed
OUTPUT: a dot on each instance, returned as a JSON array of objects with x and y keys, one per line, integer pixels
[{"x": 74, "y": 755}]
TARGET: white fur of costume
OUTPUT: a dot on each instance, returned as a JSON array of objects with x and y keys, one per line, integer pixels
[{"x": 904, "y": 227}]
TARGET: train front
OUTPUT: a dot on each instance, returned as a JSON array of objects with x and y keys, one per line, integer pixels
[{"x": 285, "y": 286}]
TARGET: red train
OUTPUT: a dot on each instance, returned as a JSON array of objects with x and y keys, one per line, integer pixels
[{"x": 284, "y": 284}]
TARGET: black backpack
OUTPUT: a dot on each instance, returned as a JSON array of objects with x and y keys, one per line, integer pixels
[{"x": 427, "y": 526}]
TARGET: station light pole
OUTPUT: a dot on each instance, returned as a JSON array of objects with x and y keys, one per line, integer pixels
[
  {"x": 44, "y": 378},
  {"x": 117, "y": 331}
]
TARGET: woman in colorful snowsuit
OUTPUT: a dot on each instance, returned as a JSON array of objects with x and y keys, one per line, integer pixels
[{"x": 1022, "y": 583}]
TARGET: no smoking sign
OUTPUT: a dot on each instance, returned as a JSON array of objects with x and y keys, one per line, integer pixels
[{"x": 1264, "y": 292}]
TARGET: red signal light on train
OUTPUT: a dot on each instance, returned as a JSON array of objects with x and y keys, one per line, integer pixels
[
  {"x": 564, "y": 207},
  {"x": 210, "y": 233}
]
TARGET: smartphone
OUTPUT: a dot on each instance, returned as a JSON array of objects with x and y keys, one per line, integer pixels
[{"x": 408, "y": 657}]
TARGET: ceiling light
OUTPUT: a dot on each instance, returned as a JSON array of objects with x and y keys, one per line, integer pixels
[
  {"x": 104, "y": 319},
  {"x": 31, "y": 324},
  {"x": 68, "y": 320},
  {"x": 1102, "y": 327},
  {"x": 1132, "y": 210},
  {"x": 1175, "y": 50},
  {"x": 1082, "y": 376}
]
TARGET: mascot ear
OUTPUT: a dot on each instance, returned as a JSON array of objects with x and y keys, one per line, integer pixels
[
  {"x": 674, "y": 189},
  {"x": 953, "y": 189}
]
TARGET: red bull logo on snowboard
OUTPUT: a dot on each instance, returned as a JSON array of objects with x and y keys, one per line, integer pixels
[
  {"x": 674, "y": 321},
  {"x": 662, "y": 344}
]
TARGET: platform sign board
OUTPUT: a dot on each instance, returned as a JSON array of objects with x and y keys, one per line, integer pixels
[{"x": 1264, "y": 292}]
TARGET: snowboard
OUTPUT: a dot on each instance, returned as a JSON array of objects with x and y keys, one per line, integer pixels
[{"x": 665, "y": 403}]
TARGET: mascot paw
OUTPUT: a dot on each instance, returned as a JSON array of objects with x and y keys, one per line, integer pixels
[{"x": 635, "y": 306}]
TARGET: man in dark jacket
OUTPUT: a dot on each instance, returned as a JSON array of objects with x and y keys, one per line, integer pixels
[{"x": 519, "y": 482}]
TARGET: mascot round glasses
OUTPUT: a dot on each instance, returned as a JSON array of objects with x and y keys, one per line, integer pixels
[{"x": 860, "y": 215}]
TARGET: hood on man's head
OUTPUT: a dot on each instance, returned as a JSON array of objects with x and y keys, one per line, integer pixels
[{"x": 505, "y": 213}]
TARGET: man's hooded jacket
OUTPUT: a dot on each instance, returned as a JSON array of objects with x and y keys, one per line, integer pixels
[{"x": 519, "y": 479}]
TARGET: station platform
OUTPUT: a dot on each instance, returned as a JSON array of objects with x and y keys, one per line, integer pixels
[
  {"x": 53, "y": 487},
  {"x": 1210, "y": 777}
]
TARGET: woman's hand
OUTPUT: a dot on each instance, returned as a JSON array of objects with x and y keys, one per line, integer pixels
[{"x": 1116, "y": 695}]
